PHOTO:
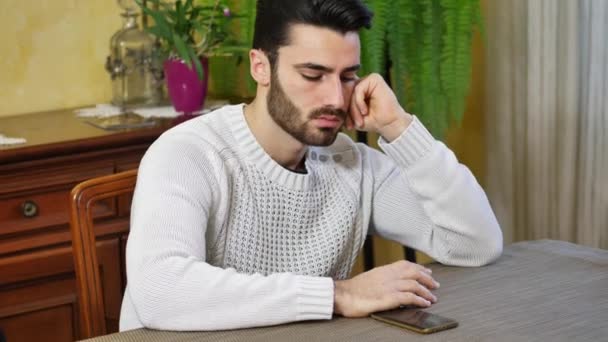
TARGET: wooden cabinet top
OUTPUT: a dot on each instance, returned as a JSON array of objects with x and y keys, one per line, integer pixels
[{"x": 61, "y": 132}]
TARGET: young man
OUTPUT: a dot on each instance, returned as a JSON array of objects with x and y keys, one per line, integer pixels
[{"x": 254, "y": 214}]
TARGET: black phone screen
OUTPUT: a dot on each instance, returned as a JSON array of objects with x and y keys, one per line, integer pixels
[{"x": 420, "y": 320}]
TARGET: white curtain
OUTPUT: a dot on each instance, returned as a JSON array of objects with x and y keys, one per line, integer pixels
[{"x": 547, "y": 118}]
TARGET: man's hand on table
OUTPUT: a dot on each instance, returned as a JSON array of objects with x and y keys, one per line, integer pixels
[{"x": 383, "y": 288}]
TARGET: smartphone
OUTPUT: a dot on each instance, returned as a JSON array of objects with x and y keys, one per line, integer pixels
[{"x": 415, "y": 319}]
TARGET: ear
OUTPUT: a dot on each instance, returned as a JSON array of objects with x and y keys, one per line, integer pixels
[{"x": 259, "y": 67}]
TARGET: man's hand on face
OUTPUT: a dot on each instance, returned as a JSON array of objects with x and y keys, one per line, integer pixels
[
  {"x": 383, "y": 288},
  {"x": 374, "y": 107}
]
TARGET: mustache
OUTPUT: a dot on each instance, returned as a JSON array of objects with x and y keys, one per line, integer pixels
[{"x": 337, "y": 112}]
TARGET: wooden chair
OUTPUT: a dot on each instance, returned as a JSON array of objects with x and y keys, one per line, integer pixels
[{"x": 83, "y": 197}]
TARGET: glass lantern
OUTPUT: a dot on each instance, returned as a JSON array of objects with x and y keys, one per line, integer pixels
[{"x": 134, "y": 66}]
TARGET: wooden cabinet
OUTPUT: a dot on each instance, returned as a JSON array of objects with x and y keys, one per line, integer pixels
[{"x": 37, "y": 281}]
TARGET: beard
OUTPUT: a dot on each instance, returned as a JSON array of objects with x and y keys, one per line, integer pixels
[{"x": 285, "y": 114}]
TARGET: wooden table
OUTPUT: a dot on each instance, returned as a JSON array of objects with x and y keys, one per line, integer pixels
[{"x": 537, "y": 291}]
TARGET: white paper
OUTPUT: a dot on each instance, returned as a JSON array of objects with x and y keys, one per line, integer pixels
[{"x": 4, "y": 140}]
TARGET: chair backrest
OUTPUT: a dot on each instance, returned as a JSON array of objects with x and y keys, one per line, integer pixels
[{"x": 86, "y": 265}]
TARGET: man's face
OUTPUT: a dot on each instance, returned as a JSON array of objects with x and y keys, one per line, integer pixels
[{"x": 312, "y": 83}]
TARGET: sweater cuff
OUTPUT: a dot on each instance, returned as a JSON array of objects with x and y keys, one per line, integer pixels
[
  {"x": 315, "y": 298},
  {"x": 413, "y": 144}
]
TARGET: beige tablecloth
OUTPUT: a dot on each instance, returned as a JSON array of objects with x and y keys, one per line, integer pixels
[{"x": 537, "y": 291}]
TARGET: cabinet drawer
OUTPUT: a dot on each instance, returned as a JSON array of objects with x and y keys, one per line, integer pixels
[
  {"x": 32, "y": 178},
  {"x": 30, "y": 212},
  {"x": 32, "y": 198}
]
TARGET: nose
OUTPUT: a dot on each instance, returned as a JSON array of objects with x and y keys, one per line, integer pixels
[{"x": 335, "y": 93}]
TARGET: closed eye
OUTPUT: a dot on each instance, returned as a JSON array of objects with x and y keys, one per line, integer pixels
[
  {"x": 312, "y": 78},
  {"x": 318, "y": 78}
]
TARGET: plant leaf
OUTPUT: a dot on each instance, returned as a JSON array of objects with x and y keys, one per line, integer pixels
[
  {"x": 197, "y": 64},
  {"x": 159, "y": 32},
  {"x": 182, "y": 49}
]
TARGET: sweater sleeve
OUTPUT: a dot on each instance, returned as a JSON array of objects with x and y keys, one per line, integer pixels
[
  {"x": 425, "y": 199},
  {"x": 171, "y": 285}
]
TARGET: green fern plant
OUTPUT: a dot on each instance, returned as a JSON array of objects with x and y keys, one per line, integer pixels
[{"x": 424, "y": 48}]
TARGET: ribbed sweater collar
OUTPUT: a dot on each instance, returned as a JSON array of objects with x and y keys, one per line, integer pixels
[{"x": 250, "y": 149}]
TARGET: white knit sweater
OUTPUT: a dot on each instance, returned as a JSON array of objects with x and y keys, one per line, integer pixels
[{"x": 223, "y": 237}]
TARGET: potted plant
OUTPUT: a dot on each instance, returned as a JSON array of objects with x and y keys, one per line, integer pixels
[{"x": 189, "y": 32}]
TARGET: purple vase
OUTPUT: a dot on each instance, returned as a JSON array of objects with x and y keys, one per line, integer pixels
[{"x": 186, "y": 90}]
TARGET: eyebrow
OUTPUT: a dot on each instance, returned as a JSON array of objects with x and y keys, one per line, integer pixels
[{"x": 323, "y": 68}]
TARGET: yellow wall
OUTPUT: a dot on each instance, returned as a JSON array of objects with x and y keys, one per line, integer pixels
[{"x": 52, "y": 53}]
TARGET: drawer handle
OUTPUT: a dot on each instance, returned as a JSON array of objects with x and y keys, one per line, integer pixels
[{"x": 30, "y": 209}]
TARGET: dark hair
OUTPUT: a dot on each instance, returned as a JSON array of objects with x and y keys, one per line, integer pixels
[{"x": 274, "y": 18}]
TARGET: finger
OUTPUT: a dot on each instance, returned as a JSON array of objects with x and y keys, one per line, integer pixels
[
  {"x": 349, "y": 122},
  {"x": 410, "y": 269},
  {"x": 417, "y": 272},
  {"x": 424, "y": 269},
  {"x": 357, "y": 114},
  {"x": 351, "y": 112},
  {"x": 427, "y": 280},
  {"x": 417, "y": 288},
  {"x": 409, "y": 298},
  {"x": 360, "y": 98},
  {"x": 354, "y": 112}
]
